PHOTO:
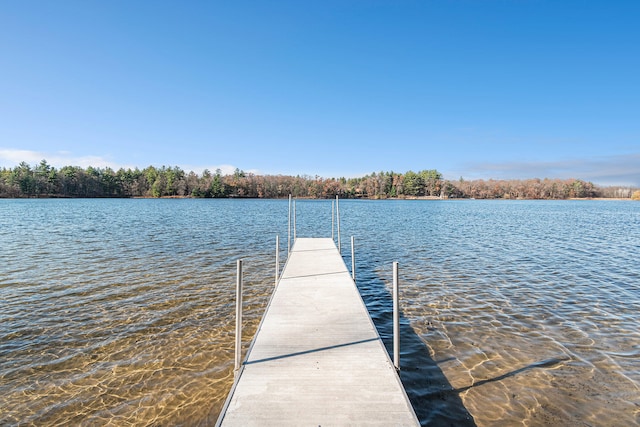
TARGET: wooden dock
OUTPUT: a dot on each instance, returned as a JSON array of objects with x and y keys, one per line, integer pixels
[{"x": 317, "y": 358}]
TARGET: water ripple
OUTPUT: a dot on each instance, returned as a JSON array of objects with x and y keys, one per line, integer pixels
[{"x": 120, "y": 312}]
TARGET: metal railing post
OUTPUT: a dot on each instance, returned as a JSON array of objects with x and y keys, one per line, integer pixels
[
  {"x": 332, "y": 220},
  {"x": 396, "y": 318},
  {"x": 295, "y": 234},
  {"x": 353, "y": 259},
  {"x": 338, "y": 221},
  {"x": 238, "y": 316},
  {"x": 277, "y": 257},
  {"x": 289, "y": 229}
]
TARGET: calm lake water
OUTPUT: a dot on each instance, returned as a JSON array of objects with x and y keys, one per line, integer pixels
[{"x": 121, "y": 312}]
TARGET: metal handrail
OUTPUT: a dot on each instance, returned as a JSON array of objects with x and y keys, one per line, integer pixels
[{"x": 396, "y": 304}]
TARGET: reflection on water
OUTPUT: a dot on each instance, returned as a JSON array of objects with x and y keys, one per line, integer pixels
[{"x": 120, "y": 312}]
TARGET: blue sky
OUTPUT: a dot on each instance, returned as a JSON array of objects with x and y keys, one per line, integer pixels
[{"x": 473, "y": 88}]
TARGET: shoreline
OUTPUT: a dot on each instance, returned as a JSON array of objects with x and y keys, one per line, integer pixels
[{"x": 432, "y": 198}]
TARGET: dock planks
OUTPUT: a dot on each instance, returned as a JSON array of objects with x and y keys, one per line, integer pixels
[{"x": 317, "y": 359}]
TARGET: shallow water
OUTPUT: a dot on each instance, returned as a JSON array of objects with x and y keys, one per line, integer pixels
[{"x": 120, "y": 312}]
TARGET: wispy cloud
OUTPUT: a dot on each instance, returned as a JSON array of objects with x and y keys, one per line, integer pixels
[
  {"x": 224, "y": 169},
  {"x": 12, "y": 157},
  {"x": 621, "y": 170}
]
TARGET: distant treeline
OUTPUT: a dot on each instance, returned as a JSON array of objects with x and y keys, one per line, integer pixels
[{"x": 43, "y": 180}]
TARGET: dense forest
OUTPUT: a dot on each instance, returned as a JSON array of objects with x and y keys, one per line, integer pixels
[{"x": 44, "y": 180}]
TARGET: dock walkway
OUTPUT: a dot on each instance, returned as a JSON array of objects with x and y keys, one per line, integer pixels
[{"x": 317, "y": 359}]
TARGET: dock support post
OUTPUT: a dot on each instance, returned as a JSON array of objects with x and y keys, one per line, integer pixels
[
  {"x": 338, "y": 221},
  {"x": 353, "y": 259},
  {"x": 333, "y": 203},
  {"x": 238, "y": 316},
  {"x": 295, "y": 234},
  {"x": 396, "y": 318},
  {"x": 277, "y": 257},
  {"x": 289, "y": 229}
]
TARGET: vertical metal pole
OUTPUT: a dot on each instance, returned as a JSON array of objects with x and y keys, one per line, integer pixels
[
  {"x": 238, "y": 316},
  {"x": 353, "y": 259},
  {"x": 289, "y": 229},
  {"x": 332, "y": 221},
  {"x": 295, "y": 234},
  {"x": 277, "y": 257},
  {"x": 338, "y": 221},
  {"x": 396, "y": 319}
]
